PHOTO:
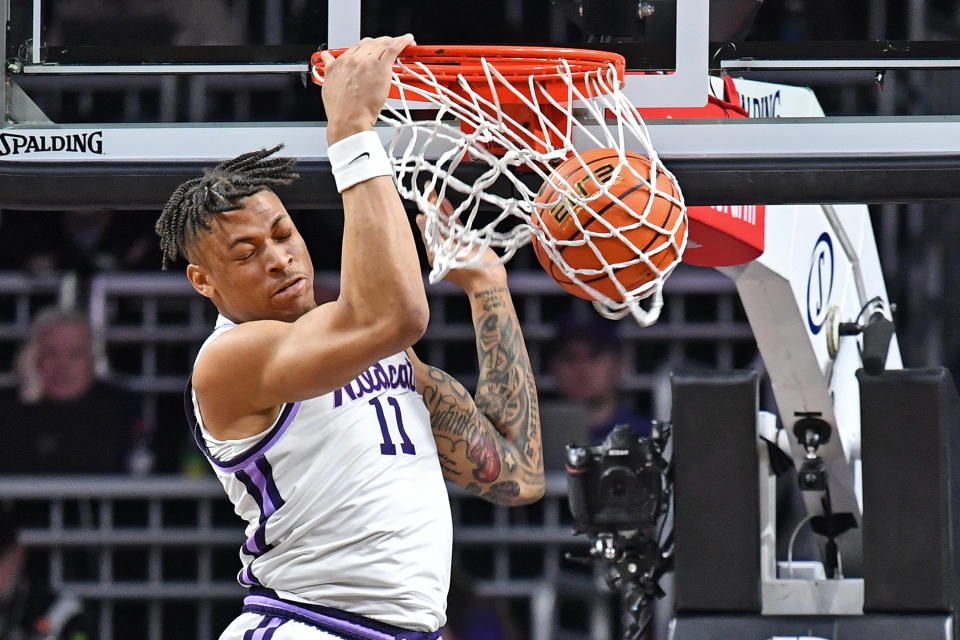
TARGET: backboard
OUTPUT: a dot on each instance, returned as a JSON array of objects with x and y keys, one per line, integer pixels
[
  {"x": 665, "y": 70},
  {"x": 644, "y": 31}
]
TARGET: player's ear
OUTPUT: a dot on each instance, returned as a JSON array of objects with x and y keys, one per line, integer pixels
[{"x": 200, "y": 279}]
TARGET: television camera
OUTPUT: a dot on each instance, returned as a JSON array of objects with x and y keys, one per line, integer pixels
[{"x": 619, "y": 494}]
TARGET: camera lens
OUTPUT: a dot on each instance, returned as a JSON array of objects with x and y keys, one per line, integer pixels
[{"x": 616, "y": 483}]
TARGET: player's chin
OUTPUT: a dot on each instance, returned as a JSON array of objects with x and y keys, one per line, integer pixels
[{"x": 291, "y": 308}]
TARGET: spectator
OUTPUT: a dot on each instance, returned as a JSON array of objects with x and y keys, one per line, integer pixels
[
  {"x": 64, "y": 420},
  {"x": 588, "y": 366}
]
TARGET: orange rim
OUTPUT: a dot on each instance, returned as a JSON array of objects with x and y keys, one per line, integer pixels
[{"x": 515, "y": 63}]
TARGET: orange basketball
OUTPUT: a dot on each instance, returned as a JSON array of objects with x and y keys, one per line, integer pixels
[{"x": 558, "y": 222}]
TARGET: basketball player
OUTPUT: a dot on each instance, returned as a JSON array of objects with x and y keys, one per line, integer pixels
[{"x": 330, "y": 437}]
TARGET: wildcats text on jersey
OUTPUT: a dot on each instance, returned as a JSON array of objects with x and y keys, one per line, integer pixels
[{"x": 377, "y": 378}]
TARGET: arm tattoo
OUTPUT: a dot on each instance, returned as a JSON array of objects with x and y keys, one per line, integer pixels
[
  {"x": 459, "y": 429},
  {"x": 491, "y": 298},
  {"x": 482, "y": 451},
  {"x": 445, "y": 399},
  {"x": 489, "y": 443},
  {"x": 503, "y": 492},
  {"x": 506, "y": 391}
]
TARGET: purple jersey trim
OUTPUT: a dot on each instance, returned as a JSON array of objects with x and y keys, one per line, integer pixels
[
  {"x": 269, "y": 631},
  {"x": 258, "y": 480},
  {"x": 246, "y": 577},
  {"x": 269, "y": 484},
  {"x": 287, "y": 414},
  {"x": 256, "y": 545},
  {"x": 253, "y": 491},
  {"x": 264, "y": 630},
  {"x": 350, "y": 626}
]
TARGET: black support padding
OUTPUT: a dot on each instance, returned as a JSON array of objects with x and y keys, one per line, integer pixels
[
  {"x": 910, "y": 443},
  {"x": 813, "y": 180},
  {"x": 716, "y": 492},
  {"x": 147, "y": 185},
  {"x": 915, "y": 626}
]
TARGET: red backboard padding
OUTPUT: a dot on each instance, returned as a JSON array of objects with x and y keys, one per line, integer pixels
[{"x": 719, "y": 235}]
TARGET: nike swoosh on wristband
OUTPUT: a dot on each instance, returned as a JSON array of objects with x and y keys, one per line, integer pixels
[{"x": 365, "y": 154}]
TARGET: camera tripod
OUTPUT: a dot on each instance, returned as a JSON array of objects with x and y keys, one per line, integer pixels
[{"x": 635, "y": 564}]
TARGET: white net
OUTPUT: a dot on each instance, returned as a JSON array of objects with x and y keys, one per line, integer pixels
[{"x": 616, "y": 261}]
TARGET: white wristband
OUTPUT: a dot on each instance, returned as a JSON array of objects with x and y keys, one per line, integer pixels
[{"x": 357, "y": 158}]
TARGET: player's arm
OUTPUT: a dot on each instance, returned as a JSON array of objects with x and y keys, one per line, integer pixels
[
  {"x": 490, "y": 443},
  {"x": 382, "y": 306}
]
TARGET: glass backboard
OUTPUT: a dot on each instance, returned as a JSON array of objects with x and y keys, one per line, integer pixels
[{"x": 664, "y": 69}]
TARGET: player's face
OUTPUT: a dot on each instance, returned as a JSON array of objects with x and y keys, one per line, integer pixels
[{"x": 254, "y": 264}]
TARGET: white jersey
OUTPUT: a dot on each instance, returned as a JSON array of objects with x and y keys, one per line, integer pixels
[{"x": 344, "y": 499}]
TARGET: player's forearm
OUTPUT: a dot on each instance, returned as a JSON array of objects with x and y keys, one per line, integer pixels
[
  {"x": 381, "y": 288},
  {"x": 506, "y": 391},
  {"x": 380, "y": 274},
  {"x": 472, "y": 453}
]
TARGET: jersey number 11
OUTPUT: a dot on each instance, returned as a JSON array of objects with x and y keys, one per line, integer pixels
[{"x": 387, "y": 447}]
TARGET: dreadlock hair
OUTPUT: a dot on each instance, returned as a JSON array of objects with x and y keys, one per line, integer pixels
[{"x": 192, "y": 205}]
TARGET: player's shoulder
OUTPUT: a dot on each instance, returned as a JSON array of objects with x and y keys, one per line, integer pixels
[
  {"x": 227, "y": 378},
  {"x": 233, "y": 349}
]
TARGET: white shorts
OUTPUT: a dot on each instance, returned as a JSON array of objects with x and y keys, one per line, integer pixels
[{"x": 253, "y": 626}]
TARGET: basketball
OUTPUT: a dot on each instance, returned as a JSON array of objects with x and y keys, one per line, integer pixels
[{"x": 623, "y": 223}]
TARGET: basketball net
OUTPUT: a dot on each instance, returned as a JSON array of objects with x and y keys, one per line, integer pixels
[{"x": 478, "y": 120}]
